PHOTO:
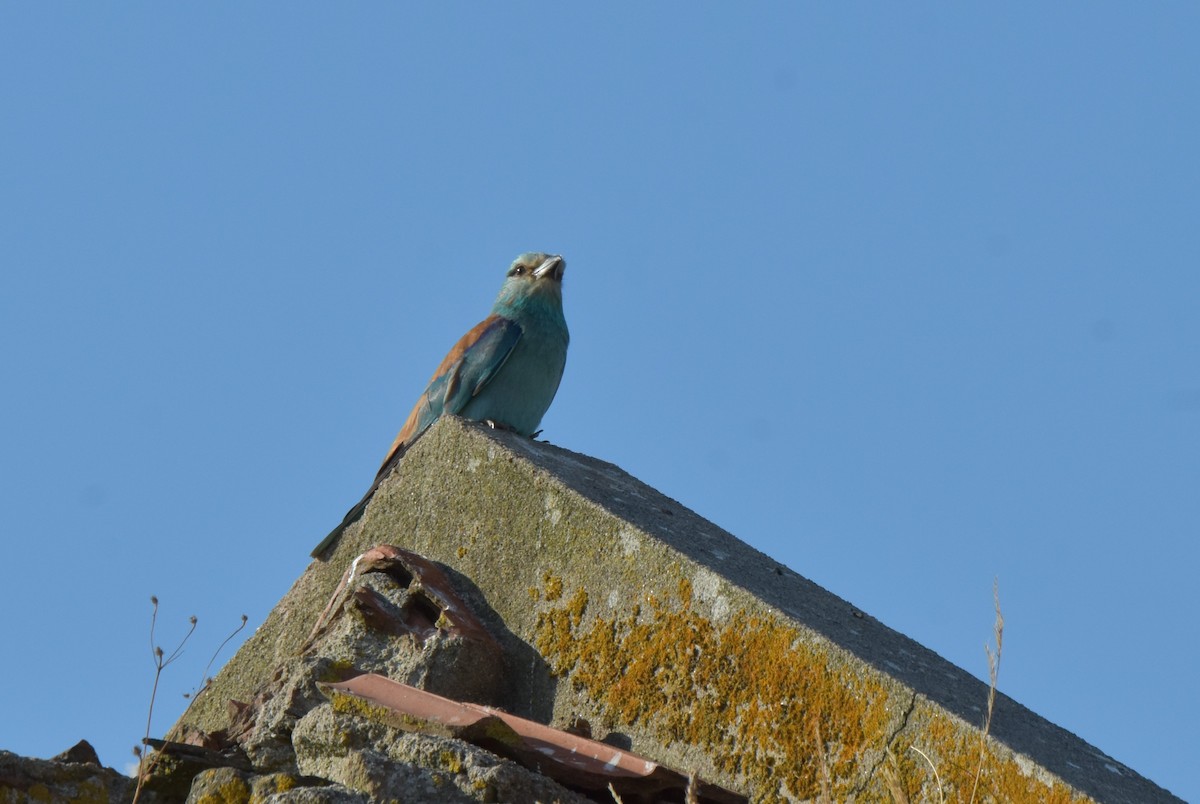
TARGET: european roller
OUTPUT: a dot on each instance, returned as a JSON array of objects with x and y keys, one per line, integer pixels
[{"x": 504, "y": 371}]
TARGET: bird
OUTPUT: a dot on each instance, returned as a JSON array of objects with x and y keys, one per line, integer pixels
[{"x": 505, "y": 371}]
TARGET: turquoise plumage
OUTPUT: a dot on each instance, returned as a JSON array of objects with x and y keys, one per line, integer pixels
[{"x": 504, "y": 371}]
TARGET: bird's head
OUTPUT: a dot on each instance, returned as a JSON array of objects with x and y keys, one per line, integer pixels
[{"x": 533, "y": 277}]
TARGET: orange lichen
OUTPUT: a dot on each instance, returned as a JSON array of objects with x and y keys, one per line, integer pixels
[
  {"x": 780, "y": 713},
  {"x": 956, "y": 753},
  {"x": 751, "y": 691},
  {"x": 553, "y": 586}
]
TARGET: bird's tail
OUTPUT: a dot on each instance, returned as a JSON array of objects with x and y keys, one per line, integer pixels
[
  {"x": 352, "y": 516},
  {"x": 355, "y": 513}
]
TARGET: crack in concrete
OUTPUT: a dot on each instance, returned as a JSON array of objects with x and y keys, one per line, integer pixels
[{"x": 887, "y": 746}]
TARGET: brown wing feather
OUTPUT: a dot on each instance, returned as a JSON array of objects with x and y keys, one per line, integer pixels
[{"x": 449, "y": 363}]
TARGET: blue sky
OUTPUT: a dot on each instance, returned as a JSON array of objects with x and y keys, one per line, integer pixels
[{"x": 903, "y": 297}]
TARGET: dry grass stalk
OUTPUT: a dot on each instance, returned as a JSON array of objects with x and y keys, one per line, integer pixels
[
  {"x": 161, "y": 661},
  {"x": 993, "y": 675}
]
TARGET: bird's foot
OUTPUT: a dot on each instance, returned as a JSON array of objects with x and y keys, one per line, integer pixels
[{"x": 495, "y": 425}]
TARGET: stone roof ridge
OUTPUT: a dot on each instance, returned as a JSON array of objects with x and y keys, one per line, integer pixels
[{"x": 495, "y": 570}]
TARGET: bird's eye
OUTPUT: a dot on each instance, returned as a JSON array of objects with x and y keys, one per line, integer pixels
[{"x": 518, "y": 270}]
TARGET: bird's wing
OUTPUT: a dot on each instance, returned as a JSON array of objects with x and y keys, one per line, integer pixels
[{"x": 471, "y": 363}]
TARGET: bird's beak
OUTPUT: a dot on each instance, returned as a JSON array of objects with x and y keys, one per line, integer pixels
[{"x": 554, "y": 266}]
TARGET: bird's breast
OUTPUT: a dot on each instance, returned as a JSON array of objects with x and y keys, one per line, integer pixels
[{"x": 522, "y": 390}]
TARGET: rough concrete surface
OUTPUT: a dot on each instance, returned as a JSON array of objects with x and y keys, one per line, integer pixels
[{"x": 23, "y": 779}]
